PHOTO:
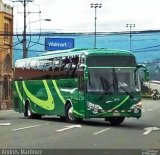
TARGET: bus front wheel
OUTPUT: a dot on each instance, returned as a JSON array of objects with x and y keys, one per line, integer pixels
[
  {"x": 115, "y": 120},
  {"x": 69, "y": 113}
]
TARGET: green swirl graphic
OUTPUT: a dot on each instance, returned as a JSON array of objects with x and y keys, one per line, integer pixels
[{"x": 46, "y": 104}]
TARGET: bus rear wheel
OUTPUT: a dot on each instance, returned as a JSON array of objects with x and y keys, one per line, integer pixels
[
  {"x": 27, "y": 110},
  {"x": 115, "y": 120},
  {"x": 29, "y": 114}
]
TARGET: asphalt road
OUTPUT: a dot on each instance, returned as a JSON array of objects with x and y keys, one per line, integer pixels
[{"x": 17, "y": 132}]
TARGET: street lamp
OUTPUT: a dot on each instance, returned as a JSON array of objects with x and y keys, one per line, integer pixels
[
  {"x": 95, "y": 6},
  {"x": 48, "y": 20},
  {"x": 130, "y": 34},
  {"x": 24, "y": 41}
]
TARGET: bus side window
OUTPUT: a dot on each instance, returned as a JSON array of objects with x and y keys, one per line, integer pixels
[
  {"x": 65, "y": 64},
  {"x": 56, "y": 64},
  {"x": 52, "y": 65},
  {"x": 74, "y": 66}
]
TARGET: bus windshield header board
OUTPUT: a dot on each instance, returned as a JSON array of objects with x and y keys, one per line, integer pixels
[{"x": 52, "y": 44}]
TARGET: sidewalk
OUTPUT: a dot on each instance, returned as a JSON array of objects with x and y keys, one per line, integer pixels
[
  {"x": 4, "y": 111},
  {"x": 153, "y": 85},
  {"x": 156, "y": 82}
]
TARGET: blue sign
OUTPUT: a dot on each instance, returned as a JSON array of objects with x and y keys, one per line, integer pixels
[{"x": 52, "y": 44}]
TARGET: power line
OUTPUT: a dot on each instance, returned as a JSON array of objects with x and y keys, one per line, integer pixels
[
  {"x": 145, "y": 48},
  {"x": 19, "y": 49},
  {"x": 139, "y": 51}
]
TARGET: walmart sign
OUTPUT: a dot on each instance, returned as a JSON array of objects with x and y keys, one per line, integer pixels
[{"x": 52, "y": 44}]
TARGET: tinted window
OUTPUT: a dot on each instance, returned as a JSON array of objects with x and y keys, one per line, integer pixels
[{"x": 113, "y": 61}]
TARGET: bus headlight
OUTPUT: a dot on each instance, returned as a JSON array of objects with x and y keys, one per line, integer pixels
[
  {"x": 136, "y": 107},
  {"x": 139, "y": 105},
  {"x": 94, "y": 107}
]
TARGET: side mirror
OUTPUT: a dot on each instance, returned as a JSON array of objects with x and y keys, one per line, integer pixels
[
  {"x": 146, "y": 75},
  {"x": 145, "y": 70}
]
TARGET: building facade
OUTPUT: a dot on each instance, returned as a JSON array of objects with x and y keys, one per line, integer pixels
[{"x": 6, "y": 49}]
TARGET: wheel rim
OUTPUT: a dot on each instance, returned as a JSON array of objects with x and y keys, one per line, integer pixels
[
  {"x": 29, "y": 112},
  {"x": 70, "y": 113}
]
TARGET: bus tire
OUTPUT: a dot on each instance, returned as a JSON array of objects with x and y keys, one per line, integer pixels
[
  {"x": 69, "y": 113},
  {"x": 63, "y": 118},
  {"x": 29, "y": 114},
  {"x": 27, "y": 110},
  {"x": 115, "y": 120}
]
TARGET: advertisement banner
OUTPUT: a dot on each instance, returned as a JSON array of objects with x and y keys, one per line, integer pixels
[{"x": 52, "y": 44}]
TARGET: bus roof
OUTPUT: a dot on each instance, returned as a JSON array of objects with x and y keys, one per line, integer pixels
[
  {"x": 72, "y": 52},
  {"x": 87, "y": 51}
]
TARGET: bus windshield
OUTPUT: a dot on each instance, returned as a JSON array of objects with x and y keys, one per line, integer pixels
[{"x": 113, "y": 80}]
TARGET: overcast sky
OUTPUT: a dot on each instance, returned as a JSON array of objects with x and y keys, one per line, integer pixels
[{"x": 77, "y": 16}]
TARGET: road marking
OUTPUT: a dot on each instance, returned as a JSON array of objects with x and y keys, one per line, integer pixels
[
  {"x": 96, "y": 133},
  {"x": 69, "y": 127},
  {"x": 27, "y": 127},
  {"x": 154, "y": 84},
  {"x": 143, "y": 110},
  {"x": 149, "y": 109},
  {"x": 149, "y": 129},
  {"x": 5, "y": 124}
]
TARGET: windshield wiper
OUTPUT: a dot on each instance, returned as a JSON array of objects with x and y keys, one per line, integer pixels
[
  {"x": 115, "y": 81},
  {"x": 106, "y": 85}
]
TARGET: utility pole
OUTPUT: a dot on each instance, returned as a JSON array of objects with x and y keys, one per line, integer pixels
[
  {"x": 130, "y": 34},
  {"x": 24, "y": 40},
  {"x": 25, "y": 51}
]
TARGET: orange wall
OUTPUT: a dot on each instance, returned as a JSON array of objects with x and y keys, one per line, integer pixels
[{"x": 6, "y": 20}]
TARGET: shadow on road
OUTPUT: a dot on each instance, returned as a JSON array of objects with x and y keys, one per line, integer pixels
[
  {"x": 101, "y": 123},
  {"x": 131, "y": 124}
]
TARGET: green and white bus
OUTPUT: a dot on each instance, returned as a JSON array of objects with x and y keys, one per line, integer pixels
[{"x": 79, "y": 84}]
